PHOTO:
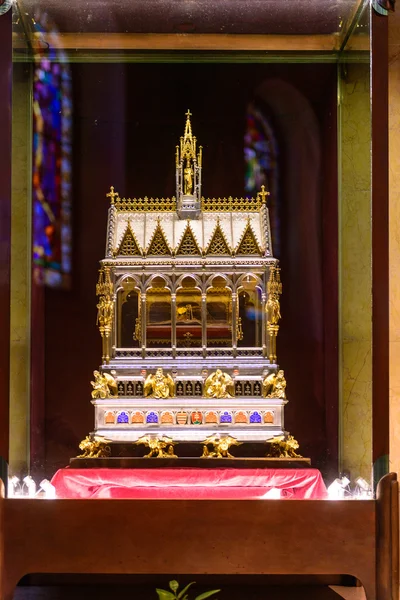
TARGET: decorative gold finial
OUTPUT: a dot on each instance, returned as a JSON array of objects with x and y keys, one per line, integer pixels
[
  {"x": 111, "y": 194},
  {"x": 188, "y": 114},
  {"x": 263, "y": 194}
]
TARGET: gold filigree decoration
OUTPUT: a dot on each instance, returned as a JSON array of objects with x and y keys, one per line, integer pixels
[
  {"x": 218, "y": 244},
  {"x": 231, "y": 204},
  {"x": 220, "y": 445},
  {"x": 283, "y": 447},
  {"x": 129, "y": 245},
  {"x": 145, "y": 204},
  {"x": 188, "y": 245},
  {"x": 248, "y": 242},
  {"x": 160, "y": 447},
  {"x": 274, "y": 288},
  {"x": 158, "y": 245},
  {"x": 94, "y": 446},
  {"x": 104, "y": 285}
]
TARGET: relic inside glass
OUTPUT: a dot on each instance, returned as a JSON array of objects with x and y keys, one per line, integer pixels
[{"x": 189, "y": 311}]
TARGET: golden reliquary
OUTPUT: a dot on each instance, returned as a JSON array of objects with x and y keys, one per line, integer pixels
[{"x": 188, "y": 309}]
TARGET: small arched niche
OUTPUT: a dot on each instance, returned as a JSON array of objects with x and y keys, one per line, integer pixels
[
  {"x": 249, "y": 313},
  {"x": 158, "y": 314},
  {"x": 128, "y": 314},
  {"x": 188, "y": 314},
  {"x": 219, "y": 314}
]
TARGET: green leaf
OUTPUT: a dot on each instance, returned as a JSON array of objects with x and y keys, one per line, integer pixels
[
  {"x": 206, "y": 595},
  {"x": 174, "y": 585},
  {"x": 165, "y": 595},
  {"x": 185, "y": 589}
]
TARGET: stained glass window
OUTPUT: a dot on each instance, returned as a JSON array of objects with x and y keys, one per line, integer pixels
[
  {"x": 52, "y": 153},
  {"x": 260, "y": 158}
]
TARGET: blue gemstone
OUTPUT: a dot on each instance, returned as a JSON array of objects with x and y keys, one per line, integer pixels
[
  {"x": 123, "y": 418},
  {"x": 152, "y": 417},
  {"x": 225, "y": 418},
  {"x": 255, "y": 417}
]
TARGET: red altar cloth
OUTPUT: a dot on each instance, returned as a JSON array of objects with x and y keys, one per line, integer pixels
[{"x": 188, "y": 483}]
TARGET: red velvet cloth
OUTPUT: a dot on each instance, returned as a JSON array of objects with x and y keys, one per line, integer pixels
[{"x": 188, "y": 483}]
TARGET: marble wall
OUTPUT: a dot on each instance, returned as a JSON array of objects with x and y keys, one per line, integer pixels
[
  {"x": 20, "y": 271},
  {"x": 394, "y": 239},
  {"x": 355, "y": 275}
]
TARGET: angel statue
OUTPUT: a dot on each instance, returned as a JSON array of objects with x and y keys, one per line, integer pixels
[
  {"x": 274, "y": 385},
  {"x": 159, "y": 385},
  {"x": 162, "y": 447},
  {"x": 104, "y": 386},
  {"x": 221, "y": 446},
  {"x": 219, "y": 385}
]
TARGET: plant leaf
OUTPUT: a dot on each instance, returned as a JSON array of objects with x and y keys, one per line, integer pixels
[
  {"x": 185, "y": 589},
  {"x": 174, "y": 585},
  {"x": 165, "y": 595},
  {"x": 207, "y": 595}
]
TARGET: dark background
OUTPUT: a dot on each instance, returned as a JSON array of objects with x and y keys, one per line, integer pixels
[{"x": 128, "y": 119}]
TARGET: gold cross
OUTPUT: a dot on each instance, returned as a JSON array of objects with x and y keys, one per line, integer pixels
[
  {"x": 263, "y": 194},
  {"x": 188, "y": 114},
  {"x": 111, "y": 194}
]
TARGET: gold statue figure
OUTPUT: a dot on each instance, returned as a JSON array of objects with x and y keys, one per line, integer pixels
[
  {"x": 105, "y": 311},
  {"x": 273, "y": 310},
  {"x": 274, "y": 385},
  {"x": 282, "y": 447},
  {"x": 220, "y": 445},
  {"x": 159, "y": 385},
  {"x": 157, "y": 446},
  {"x": 188, "y": 179},
  {"x": 94, "y": 446},
  {"x": 104, "y": 386},
  {"x": 219, "y": 385}
]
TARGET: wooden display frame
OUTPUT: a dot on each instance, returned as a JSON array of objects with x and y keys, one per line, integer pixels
[{"x": 294, "y": 537}]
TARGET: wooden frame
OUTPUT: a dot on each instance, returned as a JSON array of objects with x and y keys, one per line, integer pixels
[{"x": 293, "y": 537}]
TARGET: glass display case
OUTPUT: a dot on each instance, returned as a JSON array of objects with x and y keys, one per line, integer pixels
[{"x": 281, "y": 99}]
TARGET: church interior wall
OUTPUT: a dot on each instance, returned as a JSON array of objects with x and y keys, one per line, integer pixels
[{"x": 126, "y": 118}]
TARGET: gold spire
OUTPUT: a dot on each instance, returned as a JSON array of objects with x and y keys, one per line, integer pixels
[{"x": 188, "y": 141}]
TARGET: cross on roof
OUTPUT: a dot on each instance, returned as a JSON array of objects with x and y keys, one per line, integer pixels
[
  {"x": 188, "y": 114},
  {"x": 111, "y": 194},
  {"x": 263, "y": 194}
]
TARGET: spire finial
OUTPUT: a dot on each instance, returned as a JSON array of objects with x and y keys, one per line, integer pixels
[{"x": 188, "y": 114}]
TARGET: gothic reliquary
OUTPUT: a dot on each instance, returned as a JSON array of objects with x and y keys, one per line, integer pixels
[{"x": 188, "y": 311}]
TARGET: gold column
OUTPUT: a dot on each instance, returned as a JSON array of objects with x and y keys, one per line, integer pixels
[
  {"x": 355, "y": 274},
  {"x": 21, "y": 244},
  {"x": 263, "y": 323},
  {"x": 143, "y": 325},
  {"x": 273, "y": 310},
  {"x": 204, "y": 323},
  {"x": 235, "y": 323},
  {"x": 173, "y": 323}
]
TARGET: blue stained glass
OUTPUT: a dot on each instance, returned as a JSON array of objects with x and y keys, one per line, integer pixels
[
  {"x": 225, "y": 417},
  {"x": 152, "y": 417},
  {"x": 123, "y": 417},
  {"x": 255, "y": 417},
  {"x": 52, "y": 164}
]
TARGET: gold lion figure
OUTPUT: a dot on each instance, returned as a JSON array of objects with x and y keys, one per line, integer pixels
[
  {"x": 159, "y": 447},
  {"x": 159, "y": 385},
  {"x": 94, "y": 446},
  {"x": 104, "y": 386},
  {"x": 220, "y": 445},
  {"x": 219, "y": 385},
  {"x": 274, "y": 385},
  {"x": 283, "y": 447}
]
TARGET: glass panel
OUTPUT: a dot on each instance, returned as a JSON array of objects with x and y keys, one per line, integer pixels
[
  {"x": 158, "y": 314},
  {"x": 97, "y": 103},
  {"x": 219, "y": 314},
  {"x": 128, "y": 315},
  {"x": 188, "y": 315},
  {"x": 250, "y": 314}
]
